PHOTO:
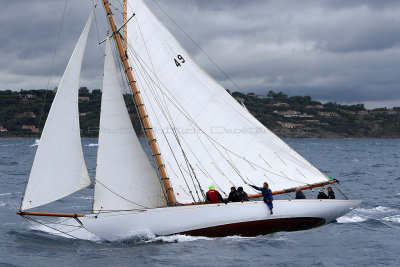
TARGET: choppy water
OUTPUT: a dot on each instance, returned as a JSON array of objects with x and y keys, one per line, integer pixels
[{"x": 370, "y": 235}]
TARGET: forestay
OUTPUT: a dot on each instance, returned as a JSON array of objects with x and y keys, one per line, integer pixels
[
  {"x": 59, "y": 167},
  {"x": 205, "y": 136},
  {"x": 125, "y": 179}
]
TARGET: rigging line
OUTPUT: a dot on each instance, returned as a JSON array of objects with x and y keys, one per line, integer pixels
[
  {"x": 251, "y": 165},
  {"x": 188, "y": 165},
  {"x": 65, "y": 233},
  {"x": 147, "y": 144},
  {"x": 340, "y": 191},
  {"x": 160, "y": 100},
  {"x": 301, "y": 173},
  {"x": 152, "y": 91},
  {"x": 293, "y": 180},
  {"x": 149, "y": 81},
  {"x": 124, "y": 87},
  {"x": 184, "y": 113},
  {"x": 164, "y": 115},
  {"x": 230, "y": 161},
  {"x": 183, "y": 189},
  {"x": 264, "y": 160},
  {"x": 152, "y": 65},
  {"x": 52, "y": 65},
  {"x": 269, "y": 179},
  {"x": 194, "y": 185},
  {"x": 48, "y": 83},
  {"x": 97, "y": 28},
  {"x": 195, "y": 156},
  {"x": 221, "y": 172},
  {"x": 61, "y": 222},
  {"x": 209, "y": 177},
  {"x": 188, "y": 117},
  {"x": 190, "y": 191},
  {"x": 97, "y": 181},
  {"x": 198, "y": 46}
]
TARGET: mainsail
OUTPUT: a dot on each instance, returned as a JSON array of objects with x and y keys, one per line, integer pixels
[
  {"x": 124, "y": 177},
  {"x": 59, "y": 167},
  {"x": 204, "y": 135}
]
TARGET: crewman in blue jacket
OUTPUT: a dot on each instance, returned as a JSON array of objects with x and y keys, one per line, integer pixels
[{"x": 267, "y": 195}]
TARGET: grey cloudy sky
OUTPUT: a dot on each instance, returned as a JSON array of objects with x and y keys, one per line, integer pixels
[{"x": 342, "y": 51}]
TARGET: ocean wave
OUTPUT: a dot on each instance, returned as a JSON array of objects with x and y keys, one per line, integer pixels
[
  {"x": 14, "y": 205},
  {"x": 84, "y": 197},
  {"x": 395, "y": 218},
  {"x": 5, "y": 194},
  {"x": 376, "y": 210}
]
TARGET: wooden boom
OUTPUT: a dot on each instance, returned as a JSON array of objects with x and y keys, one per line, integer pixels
[
  {"x": 304, "y": 187},
  {"x": 47, "y": 214},
  {"x": 140, "y": 106}
]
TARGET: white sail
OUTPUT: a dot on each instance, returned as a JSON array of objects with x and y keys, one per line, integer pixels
[
  {"x": 59, "y": 167},
  {"x": 223, "y": 143},
  {"x": 124, "y": 177}
]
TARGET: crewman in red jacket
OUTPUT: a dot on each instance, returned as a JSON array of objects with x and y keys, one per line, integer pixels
[{"x": 213, "y": 196}]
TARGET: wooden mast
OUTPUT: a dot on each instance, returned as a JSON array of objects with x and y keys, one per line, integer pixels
[
  {"x": 125, "y": 31},
  {"x": 140, "y": 106}
]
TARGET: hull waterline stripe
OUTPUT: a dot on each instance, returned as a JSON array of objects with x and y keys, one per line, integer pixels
[{"x": 261, "y": 227}]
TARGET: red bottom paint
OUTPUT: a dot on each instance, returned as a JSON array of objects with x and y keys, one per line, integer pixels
[{"x": 254, "y": 228}]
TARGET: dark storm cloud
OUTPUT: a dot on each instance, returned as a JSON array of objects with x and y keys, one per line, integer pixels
[{"x": 344, "y": 51}]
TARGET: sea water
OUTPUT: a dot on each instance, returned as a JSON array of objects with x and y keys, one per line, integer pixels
[{"x": 368, "y": 169}]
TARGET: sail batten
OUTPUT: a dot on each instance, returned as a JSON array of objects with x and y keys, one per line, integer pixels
[
  {"x": 59, "y": 168},
  {"x": 125, "y": 178},
  {"x": 191, "y": 112}
]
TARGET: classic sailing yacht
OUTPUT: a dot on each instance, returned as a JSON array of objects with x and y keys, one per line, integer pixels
[{"x": 198, "y": 135}]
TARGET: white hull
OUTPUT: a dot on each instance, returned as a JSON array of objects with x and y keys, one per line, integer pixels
[{"x": 248, "y": 219}]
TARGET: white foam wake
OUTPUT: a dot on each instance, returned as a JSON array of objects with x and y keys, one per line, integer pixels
[
  {"x": 351, "y": 219},
  {"x": 363, "y": 214},
  {"x": 91, "y": 145},
  {"x": 177, "y": 238},
  {"x": 37, "y": 142}
]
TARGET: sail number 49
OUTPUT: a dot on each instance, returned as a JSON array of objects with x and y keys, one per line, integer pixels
[{"x": 179, "y": 61}]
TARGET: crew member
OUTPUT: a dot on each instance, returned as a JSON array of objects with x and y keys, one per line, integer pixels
[
  {"x": 267, "y": 195},
  {"x": 233, "y": 196},
  {"x": 299, "y": 194},
  {"x": 331, "y": 194},
  {"x": 213, "y": 196},
  {"x": 241, "y": 194},
  {"x": 322, "y": 195}
]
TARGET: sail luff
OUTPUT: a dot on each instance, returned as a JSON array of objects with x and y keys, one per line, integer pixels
[
  {"x": 140, "y": 106},
  {"x": 59, "y": 167}
]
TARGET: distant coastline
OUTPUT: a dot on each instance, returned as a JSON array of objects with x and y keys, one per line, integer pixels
[{"x": 23, "y": 114}]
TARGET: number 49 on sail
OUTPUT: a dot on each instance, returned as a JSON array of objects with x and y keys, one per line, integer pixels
[{"x": 181, "y": 60}]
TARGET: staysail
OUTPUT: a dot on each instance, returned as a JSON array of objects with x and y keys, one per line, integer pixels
[
  {"x": 204, "y": 135},
  {"x": 125, "y": 179},
  {"x": 59, "y": 167}
]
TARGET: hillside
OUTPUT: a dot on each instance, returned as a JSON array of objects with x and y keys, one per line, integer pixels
[{"x": 296, "y": 116}]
